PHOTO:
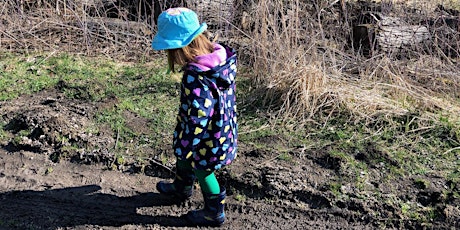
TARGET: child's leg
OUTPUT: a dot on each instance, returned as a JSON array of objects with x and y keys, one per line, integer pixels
[
  {"x": 183, "y": 165},
  {"x": 208, "y": 181},
  {"x": 214, "y": 200},
  {"x": 182, "y": 186}
]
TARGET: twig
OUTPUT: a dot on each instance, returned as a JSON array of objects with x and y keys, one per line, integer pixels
[
  {"x": 450, "y": 150},
  {"x": 118, "y": 136},
  {"x": 374, "y": 134},
  {"x": 269, "y": 160},
  {"x": 161, "y": 165},
  {"x": 254, "y": 130},
  {"x": 421, "y": 128},
  {"x": 50, "y": 55},
  {"x": 12, "y": 37}
]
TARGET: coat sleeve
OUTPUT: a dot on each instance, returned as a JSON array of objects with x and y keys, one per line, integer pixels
[{"x": 198, "y": 104}]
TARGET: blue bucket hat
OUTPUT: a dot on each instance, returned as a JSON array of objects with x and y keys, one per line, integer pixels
[{"x": 177, "y": 27}]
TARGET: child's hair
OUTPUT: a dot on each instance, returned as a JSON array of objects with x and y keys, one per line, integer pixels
[{"x": 199, "y": 46}]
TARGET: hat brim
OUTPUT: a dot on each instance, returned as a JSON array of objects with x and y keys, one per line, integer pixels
[{"x": 160, "y": 43}]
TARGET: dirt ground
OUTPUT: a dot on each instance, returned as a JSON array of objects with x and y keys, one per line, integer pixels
[
  {"x": 88, "y": 197},
  {"x": 264, "y": 192}
]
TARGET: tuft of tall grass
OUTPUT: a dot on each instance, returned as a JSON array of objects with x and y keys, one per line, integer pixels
[
  {"x": 71, "y": 26},
  {"x": 304, "y": 67},
  {"x": 285, "y": 60}
]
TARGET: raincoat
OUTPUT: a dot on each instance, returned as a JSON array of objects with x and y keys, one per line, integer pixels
[{"x": 206, "y": 132}]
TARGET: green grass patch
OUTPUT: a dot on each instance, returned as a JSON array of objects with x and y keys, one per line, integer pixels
[
  {"x": 141, "y": 89},
  {"x": 4, "y": 136},
  {"x": 23, "y": 75},
  {"x": 416, "y": 145}
]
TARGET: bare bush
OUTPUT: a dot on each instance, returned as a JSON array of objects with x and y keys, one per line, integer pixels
[
  {"x": 122, "y": 28},
  {"x": 304, "y": 59},
  {"x": 91, "y": 27},
  {"x": 306, "y": 64}
]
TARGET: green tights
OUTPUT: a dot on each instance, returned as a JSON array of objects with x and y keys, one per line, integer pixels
[{"x": 207, "y": 179}]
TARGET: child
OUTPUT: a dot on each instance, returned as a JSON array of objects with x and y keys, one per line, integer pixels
[{"x": 205, "y": 137}]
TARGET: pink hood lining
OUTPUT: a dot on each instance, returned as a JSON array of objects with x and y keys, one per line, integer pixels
[{"x": 209, "y": 61}]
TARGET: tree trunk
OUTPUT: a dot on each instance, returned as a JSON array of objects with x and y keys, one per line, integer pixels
[
  {"x": 394, "y": 34},
  {"x": 388, "y": 34}
]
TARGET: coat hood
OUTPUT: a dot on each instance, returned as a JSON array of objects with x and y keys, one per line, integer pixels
[{"x": 217, "y": 65}]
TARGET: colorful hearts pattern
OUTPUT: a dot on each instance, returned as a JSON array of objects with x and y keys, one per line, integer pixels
[{"x": 206, "y": 132}]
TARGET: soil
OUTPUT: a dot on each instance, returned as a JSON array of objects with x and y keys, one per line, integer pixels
[
  {"x": 44, "y": 186},
  {"x": 56, "y": 174}
]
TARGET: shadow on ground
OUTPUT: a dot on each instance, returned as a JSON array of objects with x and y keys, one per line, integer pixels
[{"x": 75, "y": 206}]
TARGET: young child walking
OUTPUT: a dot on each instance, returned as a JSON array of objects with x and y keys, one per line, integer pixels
[{"x": 205, "y": 137}]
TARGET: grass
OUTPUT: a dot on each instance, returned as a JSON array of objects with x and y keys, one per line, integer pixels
[
  {"x": 419, "y": 145},
  {"x": 22, "y": 75},
  {"x": 4, "y": 135},
  {"x": 390, "y": 117},
  {"x": 141, "y": 89},
  {"x": 403, "y": 146}
]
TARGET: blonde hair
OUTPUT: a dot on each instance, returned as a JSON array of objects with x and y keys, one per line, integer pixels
[{"x": 199, "y": 46}]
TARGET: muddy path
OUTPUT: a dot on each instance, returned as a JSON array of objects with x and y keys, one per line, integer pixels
[
  {"x": 75, "y": 196},
  {"x": 264, "y": 191},
  {"x": 39, "y": 192}
]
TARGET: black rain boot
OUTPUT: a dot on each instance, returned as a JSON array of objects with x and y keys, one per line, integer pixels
[
  {"x": 213, "y": 212},
  {"x": 182, "y": 187}
]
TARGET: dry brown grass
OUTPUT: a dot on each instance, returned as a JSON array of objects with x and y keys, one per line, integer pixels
[
  {"x": 301, "y": 60},
  {"x": 298, "y": 50},
  {"x": 66, "y": 26},
  {"x": 285, "y": 59}
]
